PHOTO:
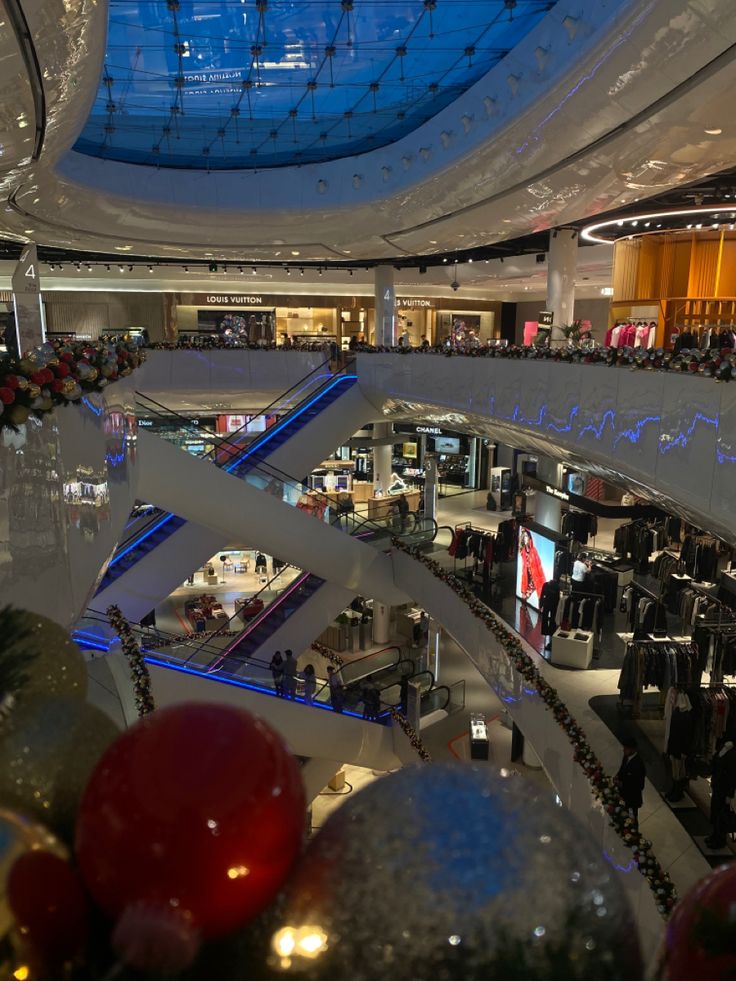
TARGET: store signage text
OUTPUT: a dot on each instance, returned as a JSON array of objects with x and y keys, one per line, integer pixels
[
  {"x": 412, "y": 303},
  {"x": 258, "y": 300},
  {"x": 554, "y": 492},
  {"x": 429, "y": 430}
]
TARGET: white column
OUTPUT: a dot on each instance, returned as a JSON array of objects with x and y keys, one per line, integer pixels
[
  {"x": 385, "y": 302},
  {"x": 382, "y": 456},
  {"x": 430, "y": 486},
  {"x": 561, "y": 267},
  {"x": 548, "y": 509},
  {"x": 381, "y": 622},
  {"x": 27, "y": 304}
]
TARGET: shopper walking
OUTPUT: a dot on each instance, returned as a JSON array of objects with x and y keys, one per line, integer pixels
[
  {"x": 277, "y": 672},
  {"x": 337, "y": 690},
  {"x": 630, "y": 778},
  {"x": 310, "y": 684},
  {"x": 290, "y": 672},
  {"x": 371, "y": 699},
  {"x": 403, "y": 505}
]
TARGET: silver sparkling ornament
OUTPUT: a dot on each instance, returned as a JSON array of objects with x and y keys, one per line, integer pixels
[{"x": 455, "y": 872}]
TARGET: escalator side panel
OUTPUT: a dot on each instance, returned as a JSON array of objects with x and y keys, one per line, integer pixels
[{"x": 308, "y": 730}]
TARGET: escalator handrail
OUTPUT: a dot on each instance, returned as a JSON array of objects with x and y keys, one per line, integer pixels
[
  {"x": 223, "y": 439},
  {"x": 228, "y": 440},
  {"x": 257, "y": 662},
  {"x": 251, "y": 624},
  {"x": 269, "y": 470},
  {"x": 146, "y": 635}
]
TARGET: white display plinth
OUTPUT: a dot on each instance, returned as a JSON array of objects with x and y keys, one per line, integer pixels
[{"x": 572, "y": 652}]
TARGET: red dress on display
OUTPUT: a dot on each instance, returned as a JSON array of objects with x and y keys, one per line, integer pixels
[{"x": 532, "y": 574}]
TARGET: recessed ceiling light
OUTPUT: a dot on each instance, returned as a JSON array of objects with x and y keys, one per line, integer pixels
[
  {"x": 294, "y": 252},
  {"x": 714, "y": 132}
]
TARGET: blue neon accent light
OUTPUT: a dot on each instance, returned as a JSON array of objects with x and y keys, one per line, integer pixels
[
  {"x": 224, "y": 85},
  {"x": 268, "y": 435},
  {"x": 238, "y": 683}
]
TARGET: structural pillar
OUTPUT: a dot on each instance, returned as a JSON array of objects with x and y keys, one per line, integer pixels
[
  {"x": 381, "y": 622},
  {"x": 548, "y": 509},
  {"x": 30, "y": 325},
  {"x": 561, "y": 268},
  {"x": 382, "y": 451},
  {"x": 385, "y": 305},
  {"x": 430, "y": 486}
]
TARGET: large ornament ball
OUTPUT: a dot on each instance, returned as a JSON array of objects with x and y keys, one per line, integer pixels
[
  {"x": 48, "y": 749},
  {"x": 38, "y": 658},
  {"x": 48, "y": 902},
  {"x": 449, "y": 872},
  {"x": 700, "y": 942},
  {"x": 19, "y": 836},
  {"x": 199, "y": 808}
]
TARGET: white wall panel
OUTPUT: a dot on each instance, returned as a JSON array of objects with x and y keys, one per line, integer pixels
[{"x": 667, "y": 436}]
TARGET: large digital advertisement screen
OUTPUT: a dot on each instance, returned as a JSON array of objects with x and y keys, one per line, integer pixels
[{"x": 535, "y": 561}]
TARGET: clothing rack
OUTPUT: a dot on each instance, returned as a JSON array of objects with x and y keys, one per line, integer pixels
[{"x": 658, "y": 663}]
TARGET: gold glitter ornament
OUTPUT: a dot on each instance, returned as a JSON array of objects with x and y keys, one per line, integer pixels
[
  {"x": 48, "y": 749},
  {"x": 37, "y": 657}
]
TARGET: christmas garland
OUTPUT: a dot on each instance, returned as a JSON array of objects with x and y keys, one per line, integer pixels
[
  {"x": 602, "y": 786},
  {"x": 138, "y": 667},
  {"x": 327, "y": 654},
  {"x": 58, "y": 373},
  {"x": 411, "y": 734}
]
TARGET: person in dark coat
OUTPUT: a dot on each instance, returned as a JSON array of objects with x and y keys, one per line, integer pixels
[
  {"x": 277, "y": 671},
  {"x": 723, "y": 790},
  {"x": 631, "y": 777}
]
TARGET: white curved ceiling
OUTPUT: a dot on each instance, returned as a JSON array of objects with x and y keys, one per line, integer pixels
[{"x": 600, "y": 104}]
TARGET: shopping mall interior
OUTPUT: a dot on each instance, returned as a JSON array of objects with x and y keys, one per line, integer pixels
[{"x": 367, "y": 489}]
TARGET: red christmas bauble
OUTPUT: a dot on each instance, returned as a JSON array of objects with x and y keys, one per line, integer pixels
[
  {"x": 703, "y": 915},
  {"x": 7, "y": 396},
  {"x": 48, "y": 902},
  {"x": 197, "y": 807}
]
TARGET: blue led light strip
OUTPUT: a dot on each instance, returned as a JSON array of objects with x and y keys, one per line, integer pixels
[
  {"x": 244, "y": 684},
  {"x": 270, "y": 433}
]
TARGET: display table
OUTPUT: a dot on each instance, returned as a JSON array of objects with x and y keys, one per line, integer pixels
[
  {"x": 379, "y": 508},
  {"x": 248, "y": 606},
  {"x": 572, "y": 648}
]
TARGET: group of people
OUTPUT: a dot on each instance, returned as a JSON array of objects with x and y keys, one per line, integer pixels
[{"x": 285, "y": 675}]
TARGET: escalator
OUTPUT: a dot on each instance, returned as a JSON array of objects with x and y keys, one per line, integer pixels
[
  {"x": 261, "y": 633},
  {"x": 182, "y": 545},
  {"x": 232, "y": 457},
  {"x": 314, "y": 729},
  {"x": 258, "y": 631}
]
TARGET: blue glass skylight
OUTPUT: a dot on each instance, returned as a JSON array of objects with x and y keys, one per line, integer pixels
[{"x": 225, "y": 84}]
